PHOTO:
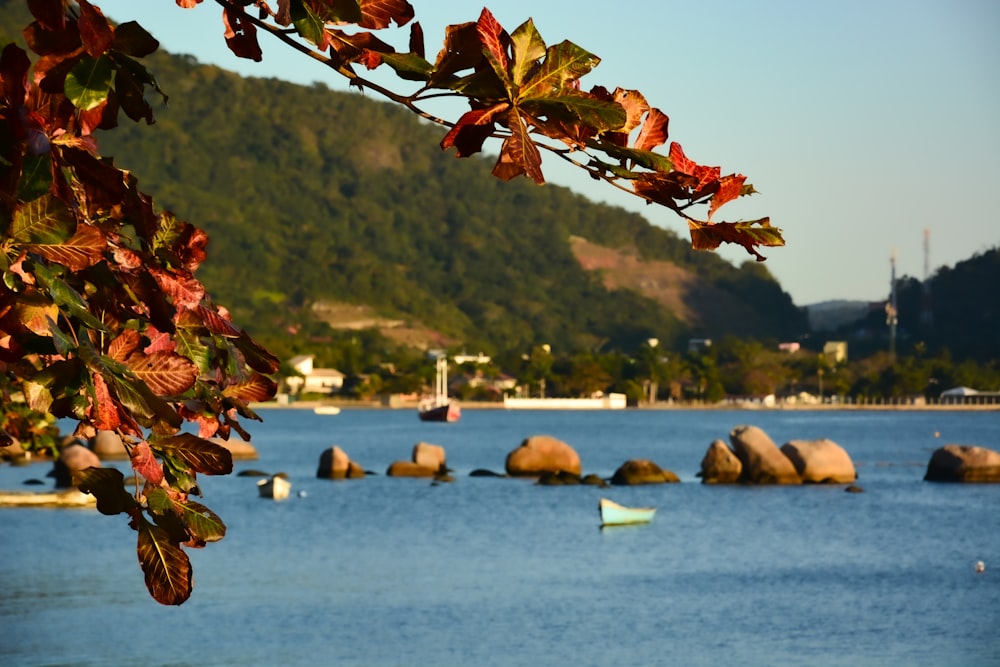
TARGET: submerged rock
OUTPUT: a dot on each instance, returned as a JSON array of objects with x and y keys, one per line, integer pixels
[{"x": 642, "y": 471}]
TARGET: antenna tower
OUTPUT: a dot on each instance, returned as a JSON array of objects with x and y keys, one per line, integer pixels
[{"x": 891, "y": 314}]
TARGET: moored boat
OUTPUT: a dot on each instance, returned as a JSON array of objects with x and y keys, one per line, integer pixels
[
  {"x": 276, "y": 487},
  {"x": 613, "y": 514},
  {"x": 326, "y": 410},
  {"x": 439, "y": 408}
]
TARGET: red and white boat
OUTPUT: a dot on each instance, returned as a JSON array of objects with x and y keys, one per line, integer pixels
[{"x": 439, "y": 408}]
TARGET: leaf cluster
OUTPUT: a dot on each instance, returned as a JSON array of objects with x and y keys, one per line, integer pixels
[
  {"x": 521, "y": 91},
  {"x": 102, "y": 319}
]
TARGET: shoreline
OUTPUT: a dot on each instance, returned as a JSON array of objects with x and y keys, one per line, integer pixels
[{"x": 748, "y": 407}]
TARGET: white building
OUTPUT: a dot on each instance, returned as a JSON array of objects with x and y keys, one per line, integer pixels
[{"x": 313, "y": 380}]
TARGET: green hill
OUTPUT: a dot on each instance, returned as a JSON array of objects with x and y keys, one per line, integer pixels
[{"x": 328, "y": 208}]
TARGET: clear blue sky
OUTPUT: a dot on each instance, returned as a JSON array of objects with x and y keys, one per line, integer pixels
[{"x": 862, "y": 123}]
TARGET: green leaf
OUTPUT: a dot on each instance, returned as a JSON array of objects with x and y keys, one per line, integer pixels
[
  {"x": 575, "y": 106},
  {"x": 203, "y": 524},
  {"x": 67, "y": 298},
  {"x": 36, "y": 177},
  {"x": 308, "y": 24},
  {"x": 166, "y": 567},
  {"x": 43, "y": 220},
  {"x": 89, "y": 82},
  {"x": 409, "y": 66},
  {"x": 647, "y": 159},
  {"x": 563, "y": 63},
  {"x": 528, "y": 49},
  {"x": 108, "y": 486}
]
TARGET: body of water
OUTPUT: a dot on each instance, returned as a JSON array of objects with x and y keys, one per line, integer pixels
[{"x": 486, "y": 571}]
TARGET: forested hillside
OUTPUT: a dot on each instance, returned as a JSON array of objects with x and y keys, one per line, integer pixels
[{"x": 316, "y": 199}]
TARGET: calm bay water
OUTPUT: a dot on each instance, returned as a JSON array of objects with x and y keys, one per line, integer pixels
[{"x": 485, "y": 571}]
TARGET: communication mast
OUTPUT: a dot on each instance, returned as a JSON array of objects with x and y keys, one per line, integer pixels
[
  {"x": 891, "y": 313},
  {"x": 926, "y": 310}
]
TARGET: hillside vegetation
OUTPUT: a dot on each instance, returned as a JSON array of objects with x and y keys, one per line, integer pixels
[{"x": 315, "y": 198}]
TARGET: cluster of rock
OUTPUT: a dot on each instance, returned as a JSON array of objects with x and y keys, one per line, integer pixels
[{"x": 754, "y": 458}]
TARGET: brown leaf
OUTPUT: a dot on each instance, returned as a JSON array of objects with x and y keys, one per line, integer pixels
[
  {"x": 108, "y": 486},
  {"x": 257, "y": 388},
  {"x": 201, "y": 455},
  {"x": 165, "y": 373},
  {"x": 709, "y": 236},
  {"x": 519, "y": 154},
  {"x": 84, "y": 249},
  {"x": 166, "y": 567}
]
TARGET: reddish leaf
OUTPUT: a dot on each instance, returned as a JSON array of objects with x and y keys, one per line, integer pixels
[
  {"x": 472, "y": 129},
  {"x": 145, "y": 464},
  {"x": 165, "y": 373},
  {"x": 186, "y": 292},
  {"x": 166, "y": 567},
  {"x": 105, "y": 409},
  {"x": 379, "y": 14},
  {"x": 493, "y": 37},
  {"x": 201, "y": 455},
  {"x": 703, "y": 175},
  {"x": 241, "y": 34},
  {"x": 256, "y": 356},
  {"x": 730, "y": 187},
  {"x": 653, "y": 132},
  {"x": 95, "y": 31}
]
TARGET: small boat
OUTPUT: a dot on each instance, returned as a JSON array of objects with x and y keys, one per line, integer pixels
[
  {"x": 439, "y": 408},
  {"x": 326, "y": 410},
  {"x": 613, "y": 514},
  {"x": 275, "y": 486}
]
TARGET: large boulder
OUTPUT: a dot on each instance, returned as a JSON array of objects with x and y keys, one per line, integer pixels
[
  {"x": 108, "y": 446},
  {"x": 642, "y": 471},
  {"x": 720, "y": 465},
  {"x": 428, "y": 455},
  {"x": 239, "y": 449},
  {"x": 763, "y": 462},
  {"x": 820, "y": 461},
  {"x": 542, "y": 453},
  {"x": 963, "y": 463},
  {"x": 335, "y": 464},
  {"x": 409, "y": 469},
  {"x": 72, "y": 460}
]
